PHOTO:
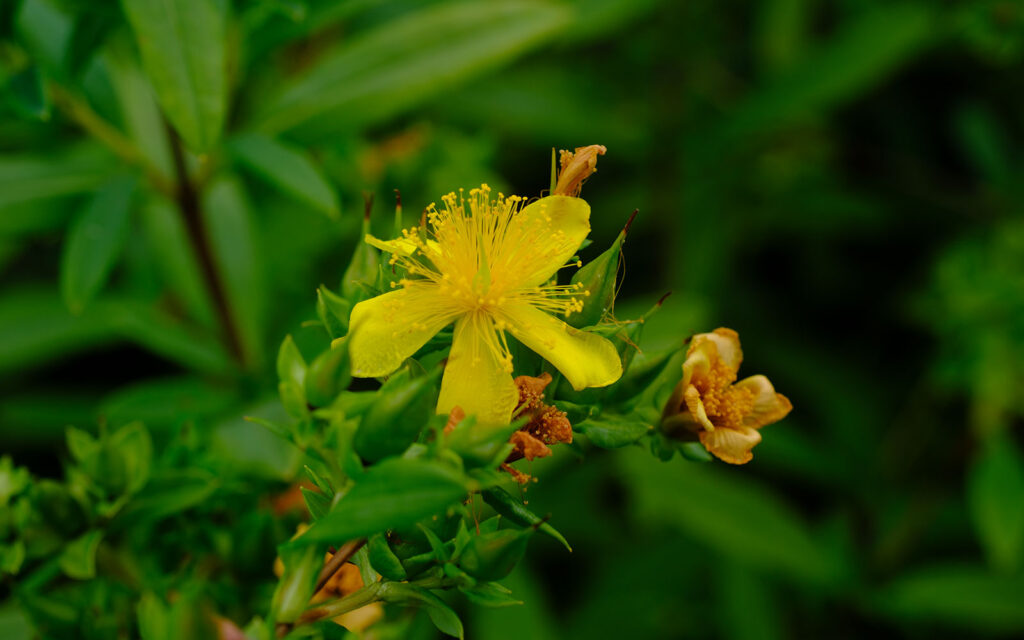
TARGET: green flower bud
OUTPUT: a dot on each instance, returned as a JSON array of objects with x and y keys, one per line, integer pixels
[
  {"x": 492, "y": 556},
  {"x": 396, "y": 417},
  {"x": 329, "y": 375},
  {"x": 383, "y": 559},
  {"x": 598, "y": 278}
]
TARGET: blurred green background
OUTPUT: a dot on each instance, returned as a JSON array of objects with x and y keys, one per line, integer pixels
[{"x": 840, "y": 182}]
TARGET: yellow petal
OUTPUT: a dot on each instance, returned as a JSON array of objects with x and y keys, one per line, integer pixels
[
  {"x": 696, "y": 407},
  {"x": 769, "y": 406},
  {"x": 731, "y": 445},
  {"x": 553, "y": 228},
  {"x": 726, "y": 341},
  {"x": 585, "y": 359},
  {"x": 400, "y": 246},
  {"x": 386, "y": 330},
  {"x": 475, "y": 378},
  {"x": 698, "y": 363}
]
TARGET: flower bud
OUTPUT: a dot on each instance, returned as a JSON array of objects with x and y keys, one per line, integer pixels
[
  {"x": 397, "y": 416},
  {"x": 329, "y": 374},
  {"x": 383, "y": 559}
]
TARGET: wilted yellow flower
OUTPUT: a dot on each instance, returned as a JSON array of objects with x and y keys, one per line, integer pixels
[
  {"x": 488, "y": 266},
  {"x": 725, "y": 414}
]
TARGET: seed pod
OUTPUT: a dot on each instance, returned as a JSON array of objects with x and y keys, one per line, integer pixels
[
  {"x": 492, "y": 556},
  {"x": 507, "y": 505},
  {"x": 597, "y": 278},
  {"x": 329, "y": 374},
  {"x": 384, "y": 559},
  {"x": 396, "y": 417}
]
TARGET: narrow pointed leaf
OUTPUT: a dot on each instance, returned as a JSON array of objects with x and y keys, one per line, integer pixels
[
  {"x": 184, "y": 52},
  {"x": 95, "y": 242},
  {"x": 288, "y": 169}
]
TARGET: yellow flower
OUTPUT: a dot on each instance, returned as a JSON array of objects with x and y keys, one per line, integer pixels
[
  {"x": 486, "y": 265},
  {"x": 725, "y": 414}
]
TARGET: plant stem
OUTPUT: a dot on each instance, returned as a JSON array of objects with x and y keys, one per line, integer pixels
[
  {"x": 79, "y": 111},
  {"x": 340, "y": 557},
  {"x": 191, "y": 211},
  {"x": 367, "y": 595}
]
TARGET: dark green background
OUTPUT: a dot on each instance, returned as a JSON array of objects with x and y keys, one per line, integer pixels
[{"x": 840, "y": 182}]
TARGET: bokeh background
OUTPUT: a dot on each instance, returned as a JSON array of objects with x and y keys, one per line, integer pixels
[{"x": 841, "y": 182}]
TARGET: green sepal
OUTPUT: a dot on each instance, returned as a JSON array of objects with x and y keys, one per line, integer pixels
[
  {"x": 598, "y": 278},
  {"x": 333, "y": 311},
  {"x": 363, "y": 267}
]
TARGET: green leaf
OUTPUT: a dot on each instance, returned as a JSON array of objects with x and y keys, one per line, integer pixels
[
  {"x": 440, "y": 613},
  {"x": 287, "y": 168},
  {"x": 28, "y": 178},
  {"x": 490, "y": 594},
  {"x": 166, "y": 402},
  {"x": 78, "y": 560},
  {"x": 317, "y": 503},
  {"x": 733, "y": 516},
  {"x": 94, "y": 243},
  {"x": 610, "y": 431},
  {"x": 291, "y": 367},
  {"x": 995, "y": 491},
  {"x": 167, "y": 242},
  {"x": 12, "y": 556},
  {"x": 133, "y": 443},
  {"x": 154, "y": 618},
  {"x": 13, "y": 480},
  {"x": 968, "y": 597},
  {"x": 409, "y": 60},
  {"x": 27, "y": 94},
  {"x": 230, "y": 226},
  {"x": 395, "y": 493},
  {"x": 14, "y": 624},
  {"x": 81, "y": 444},
  {"x": 301, "y": 567},
  {"x": 139, "y": 110},
  {"x": 168, "y": 494},
  {"x": 184, "y": 52}
]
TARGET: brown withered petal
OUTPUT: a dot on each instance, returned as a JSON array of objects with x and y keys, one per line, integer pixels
[
  {"x": 769, "y": 406},
  {"x": 577, "y": 167},
  {"x": 731, "y": 445},
  {"x": 529, "y": 446}
]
